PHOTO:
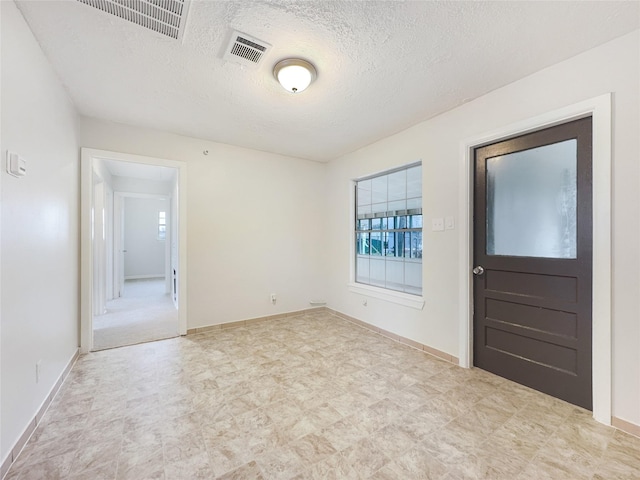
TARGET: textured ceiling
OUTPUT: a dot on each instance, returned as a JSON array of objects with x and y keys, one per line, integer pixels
[{"x": 382, "y": 66}]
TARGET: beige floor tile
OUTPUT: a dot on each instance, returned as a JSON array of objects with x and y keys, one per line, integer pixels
[
  {"x": 366, "y": 457},
  {"x": 309, "y": 397},
  {"x": 250, "y": 471},
  {"x": 149, "y": 468},
  {"x": 333, "y": 468},
  {"x": 281, "y": 463},
  {"x": 344, "y": 433},
  {"x": 90, "y": 457},
  {"x": 195, "y": 467},
  {"x": 623, "y": 449},
  {"x": 178, "y": 448},
  {"x": 103, "y": 472},
  {"x": 415, "y": 464},
  {"x": 312, "y": 448}
]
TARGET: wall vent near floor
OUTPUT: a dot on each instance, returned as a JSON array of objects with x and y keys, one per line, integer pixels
[
  {"x": 167, "y": 17},
  {"x": 245, "y": 49}
]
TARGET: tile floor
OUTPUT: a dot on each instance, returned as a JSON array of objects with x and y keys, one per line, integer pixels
[{"x": 309, "y": 397}]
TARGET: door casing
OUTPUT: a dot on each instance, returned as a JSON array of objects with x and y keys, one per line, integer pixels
[
  {"x": 600, "y": 110},
  {"x": 86, "y": 243}
]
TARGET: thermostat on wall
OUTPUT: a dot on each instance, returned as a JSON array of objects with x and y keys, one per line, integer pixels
[{"x": 16, "y": 165}]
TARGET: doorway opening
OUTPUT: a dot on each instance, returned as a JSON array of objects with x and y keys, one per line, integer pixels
[{"x": 133, "y": 249}]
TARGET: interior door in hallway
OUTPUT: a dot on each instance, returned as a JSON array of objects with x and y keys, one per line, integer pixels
[{"x": 533, "y": 260}]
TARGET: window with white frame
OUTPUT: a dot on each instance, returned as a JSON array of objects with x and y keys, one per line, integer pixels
[
  {"x": 388, "y": 229},
  {"x": 162, "y": 225}
]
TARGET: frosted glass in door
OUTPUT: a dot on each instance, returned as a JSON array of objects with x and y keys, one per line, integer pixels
[{"x": 532, "y": 201}]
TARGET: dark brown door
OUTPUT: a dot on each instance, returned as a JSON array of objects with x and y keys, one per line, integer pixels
[{"x": 532, "y": 258}]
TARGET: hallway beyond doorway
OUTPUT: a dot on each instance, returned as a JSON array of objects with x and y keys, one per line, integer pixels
[{"x": 144, "y": 313}]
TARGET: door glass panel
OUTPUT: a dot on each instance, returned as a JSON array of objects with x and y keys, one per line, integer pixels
[{"x": 531, "y": 202}]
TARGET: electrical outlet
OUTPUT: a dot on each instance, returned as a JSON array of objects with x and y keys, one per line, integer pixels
[
  {"x": 38, "y": 366},
  {"x": 273, "y": 298}
]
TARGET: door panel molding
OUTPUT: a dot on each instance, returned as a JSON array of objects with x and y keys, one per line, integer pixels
[{"x": 599, "y": 108}]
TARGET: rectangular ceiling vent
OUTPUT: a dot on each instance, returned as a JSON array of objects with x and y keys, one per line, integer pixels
[
  {"x": 167, "y": 17},
  {"x": 245, "y": 49}
]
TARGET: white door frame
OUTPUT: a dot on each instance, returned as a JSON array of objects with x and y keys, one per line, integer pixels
[
  {"x": 99, "y": 246},
  {"x": 600, "y": 110},
  {"x": 86, "y": 244},
  {"x": 118, "y": 245}
]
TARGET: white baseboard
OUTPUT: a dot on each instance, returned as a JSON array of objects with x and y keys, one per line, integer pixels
[{"x": 31, "y": 427}]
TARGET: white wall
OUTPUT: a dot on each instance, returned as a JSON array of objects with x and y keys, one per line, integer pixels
[
  {"x": 612, "y": 67},
  {"x": 256, "y": 222},
  {"x": 145, "y": 254},
  {"x": 39, "y": 218},
  {"x": 139, "y": 185}
]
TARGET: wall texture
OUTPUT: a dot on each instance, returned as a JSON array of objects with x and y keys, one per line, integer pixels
[
  {"x": 255, "y": 222},
  {"x": 145, "y": 254},
  {"x": 40, "y": 249},
  {"x": 612, "y": 67}
]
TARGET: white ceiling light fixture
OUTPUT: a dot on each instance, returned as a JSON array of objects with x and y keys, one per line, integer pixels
[{"x": 294, "y": 74}]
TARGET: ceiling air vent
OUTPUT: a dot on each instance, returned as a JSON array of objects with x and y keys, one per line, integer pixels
[
  {"x": 245, "y": 49},
  {"x": 167, "y": 17}
]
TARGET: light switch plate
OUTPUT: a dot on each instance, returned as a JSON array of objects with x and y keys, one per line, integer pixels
[
  {"x": 449, "y": 223},
  {"x": 16, "y": 165}
]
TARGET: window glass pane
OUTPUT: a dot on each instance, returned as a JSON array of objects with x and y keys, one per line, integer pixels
[
  {"x": 416, "y": 221},
  {"x": 413, "y": 277},
  {"x": 364, "y": 192},
  {"x": 391, "y": 223},
  {"x": 384, "y": 223},
  {"x": 401, "y": 222},
  {"x": 397, "y": 186},
  {"x": 379, "y": 207},
  {"x": 364, "y": 224},
  {"x": 414, "y": 203},
  {"x": 362, "y": 270},
  {"x": 362, "y": 244},
  {"x": 379, "y": 190},
  {"x": 414, "y": 182},
  {"x": 397, "y": 205},
  {"x": 389, "y": 244},
  {"x": 376, "y": 243},
  {"x": 532, "y": 202},
  {"x": 416, "y": 244},
  {"x": 376, "y": 223},
  {"x": 364, "y": 209},
  {"x": 407, "y": 245},
  {"x": 399, "y": 244},
  {"x": 162, "y": 226},
  {"x": 376, "y": 271},
  {"x": 394, "y": 274}
]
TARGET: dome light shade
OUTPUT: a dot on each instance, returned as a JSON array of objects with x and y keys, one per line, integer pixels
[{"x": 294, "y": 74}]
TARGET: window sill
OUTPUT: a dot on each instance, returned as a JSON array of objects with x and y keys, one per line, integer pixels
[{"x": 412, "y": 301}]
